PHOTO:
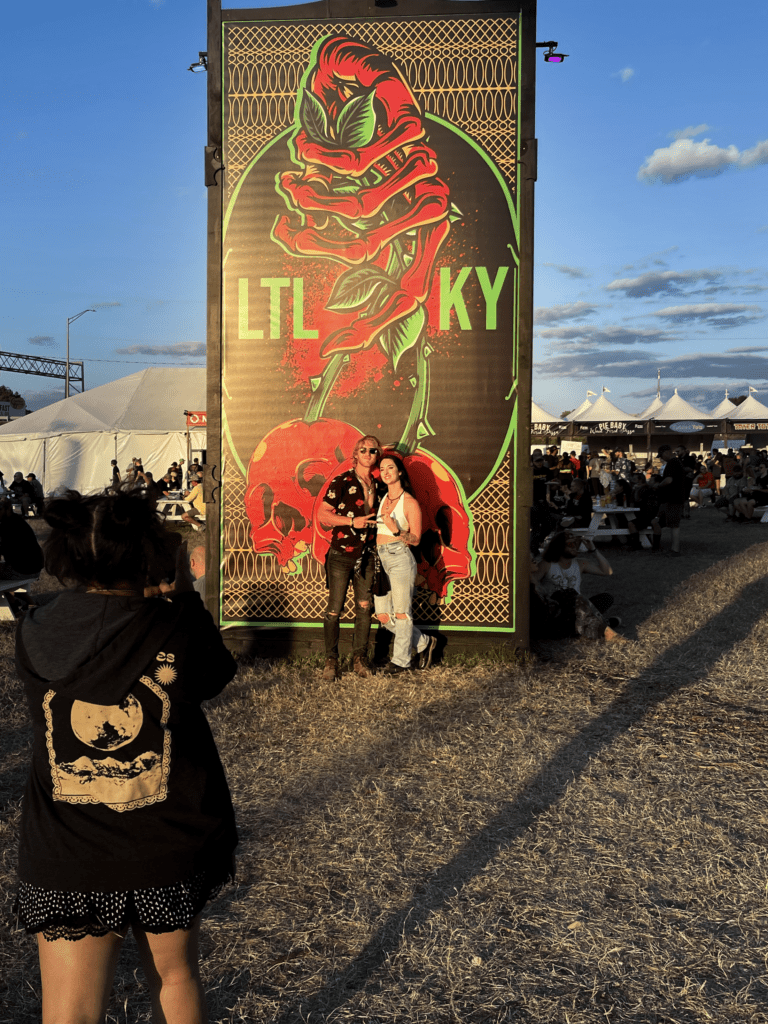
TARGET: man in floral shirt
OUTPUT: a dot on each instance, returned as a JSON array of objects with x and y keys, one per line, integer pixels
[{"x": 349, "y": 512}]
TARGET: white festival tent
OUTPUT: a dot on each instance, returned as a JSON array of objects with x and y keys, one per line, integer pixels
[
  {"x": 586, "y": 404},
  {"x": 650, "y": 412},
  {"x": 72, "y": 442},
  {"x": 602, "y": 411},
  {"x": 750, "y": 409},
  {"x": 676, "y": 408},
  {"x": 724, "y": 411},
  {"x": 539, "y": 415}
]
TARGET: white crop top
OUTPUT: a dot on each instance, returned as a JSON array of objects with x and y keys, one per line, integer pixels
[{"x": 397, "y": 513}]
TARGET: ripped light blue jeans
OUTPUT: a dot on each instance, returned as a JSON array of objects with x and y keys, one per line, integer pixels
[{"x": 400, "y": 566}]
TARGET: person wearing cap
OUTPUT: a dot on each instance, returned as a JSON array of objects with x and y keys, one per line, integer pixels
[{"x": 674, "y": 493}]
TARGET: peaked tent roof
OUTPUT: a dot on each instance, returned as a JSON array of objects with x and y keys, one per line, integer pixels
[
  {"x": 539, "y": 415},
  {"x": 723, "y": 411},
  {"x": 602, "y": 410},
  {"x": 650, "y": 412},
  {"x": 153, "y": 399},
  {"x": 750, "y": 409},
  {"x": 676, "y": 408},
  {"x": 586, "y": 404}
]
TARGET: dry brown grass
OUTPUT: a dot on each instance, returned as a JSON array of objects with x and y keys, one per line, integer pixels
[{"x": 576, "y": 842}]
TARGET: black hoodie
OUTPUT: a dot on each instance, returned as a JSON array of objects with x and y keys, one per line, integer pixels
[{"x": 126, "y": 789}]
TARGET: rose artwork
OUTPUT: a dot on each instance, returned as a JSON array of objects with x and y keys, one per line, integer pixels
[
  {"x": 287, "y": 471},
  {"x": 444, "y": 553}
]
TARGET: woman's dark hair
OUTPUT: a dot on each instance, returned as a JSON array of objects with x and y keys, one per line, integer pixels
[
  {"x": 556, "y": 547},
  {"x": 106, "y": 539},
  {"x": 405, "y": 480}
]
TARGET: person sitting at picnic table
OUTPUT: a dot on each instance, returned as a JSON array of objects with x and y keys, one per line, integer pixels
[
  {"x": 703, "y": 486},
  {"x": 197, "y": 513},
  {"x": 578, "y": 508},
  {"x": 21, "y": 493},
  {"x": 38, "y": 499},
  {"x": 153, "y": 491},
  {"x": 560, "y": 573}
]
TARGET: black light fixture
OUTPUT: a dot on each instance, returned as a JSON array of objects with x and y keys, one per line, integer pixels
[
  {"x": 201, "y": 63},
  {"x": 385, "y": 3},
  {"x": 550, "y": 56}
]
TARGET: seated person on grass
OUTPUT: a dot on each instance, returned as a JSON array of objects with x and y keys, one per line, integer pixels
[
  {"x": 559, "y": 578},
  {"x": 731, "y": 492}
]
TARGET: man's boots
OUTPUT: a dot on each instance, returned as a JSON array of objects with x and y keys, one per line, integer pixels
[{"x": 331, "y": 670}]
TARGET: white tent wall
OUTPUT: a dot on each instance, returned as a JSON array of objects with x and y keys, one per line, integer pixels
[
  {"x": 156, "y": 451},
  {"x": 79, "y": 461},
  {"x": 27, "y": 455}
]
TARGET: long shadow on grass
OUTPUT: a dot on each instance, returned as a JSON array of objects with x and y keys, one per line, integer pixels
[{"x": 538, "y": 796}]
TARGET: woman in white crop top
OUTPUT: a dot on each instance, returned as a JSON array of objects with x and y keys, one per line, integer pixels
[{"x": 398, "y": 525}]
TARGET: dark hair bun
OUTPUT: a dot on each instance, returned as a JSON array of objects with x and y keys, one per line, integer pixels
[{"x": 69, "y": 513}]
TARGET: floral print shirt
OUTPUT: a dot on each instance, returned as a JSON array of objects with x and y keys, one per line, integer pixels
[{"x": 346, "y": 496}]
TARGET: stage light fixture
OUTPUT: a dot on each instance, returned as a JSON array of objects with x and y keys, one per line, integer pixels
[
  {"x": 550, "y": 56},
  {"x": 201, "y": 63}
]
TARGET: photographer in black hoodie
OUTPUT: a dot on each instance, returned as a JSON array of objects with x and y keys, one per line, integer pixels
[{"x": 126, "y": 819}]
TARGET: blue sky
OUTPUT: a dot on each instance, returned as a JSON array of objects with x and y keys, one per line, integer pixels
[{"x": 651, "y": 213}]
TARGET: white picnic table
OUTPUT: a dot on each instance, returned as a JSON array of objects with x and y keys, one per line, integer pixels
[
  {"x": 172, "y": 506},
  {"x": 612, "y": 529}
]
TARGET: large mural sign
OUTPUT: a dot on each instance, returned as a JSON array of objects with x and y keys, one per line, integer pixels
[{"x": 370, "y": 282}]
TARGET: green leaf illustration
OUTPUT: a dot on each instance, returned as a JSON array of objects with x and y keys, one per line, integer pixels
[
  {"x": 354, "y": 288},
  {"x": 357, "y": 122},
  {"x": 313, "y": 117},
  {"x": 403, "y": 335}
]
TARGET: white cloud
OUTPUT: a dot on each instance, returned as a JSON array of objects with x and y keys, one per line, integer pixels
[
  {"x": 755, "y": 156},
  {"x": 690, "y": 132},
  {"x": 568, "y": 271},
  {"x": 181, "y": 350},
  {"x": 568, "y": 311},
  {"x": 587, "y": 338},
  {"x": 686, "y": 159},
  {"x": 660, "y": 282},
  {"x": 715, "y": 314},
  {"x": 625, "y": 74}
]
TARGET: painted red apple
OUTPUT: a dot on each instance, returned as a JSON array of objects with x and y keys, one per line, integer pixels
[{"x": 287, "y": 471}]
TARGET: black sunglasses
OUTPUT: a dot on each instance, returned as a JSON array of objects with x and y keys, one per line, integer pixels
[{"x": 365, "y": 451}]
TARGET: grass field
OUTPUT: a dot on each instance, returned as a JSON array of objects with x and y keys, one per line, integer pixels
[{"x": 579, "y": 841}]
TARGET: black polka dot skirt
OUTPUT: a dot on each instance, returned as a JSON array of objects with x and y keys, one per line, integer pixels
[{"x": 73, "y": 915}]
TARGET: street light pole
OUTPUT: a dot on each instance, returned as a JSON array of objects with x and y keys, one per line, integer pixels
[{"x": 71, "y": 320}]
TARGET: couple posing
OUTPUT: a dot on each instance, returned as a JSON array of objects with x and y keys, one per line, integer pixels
[{"x": 372, "y": 520}]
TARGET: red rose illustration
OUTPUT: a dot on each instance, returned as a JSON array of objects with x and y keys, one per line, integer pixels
[{"x": 287, "y": 471}]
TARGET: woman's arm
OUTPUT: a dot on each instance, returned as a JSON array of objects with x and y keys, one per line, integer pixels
[{"x": 412, "y": 510}]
